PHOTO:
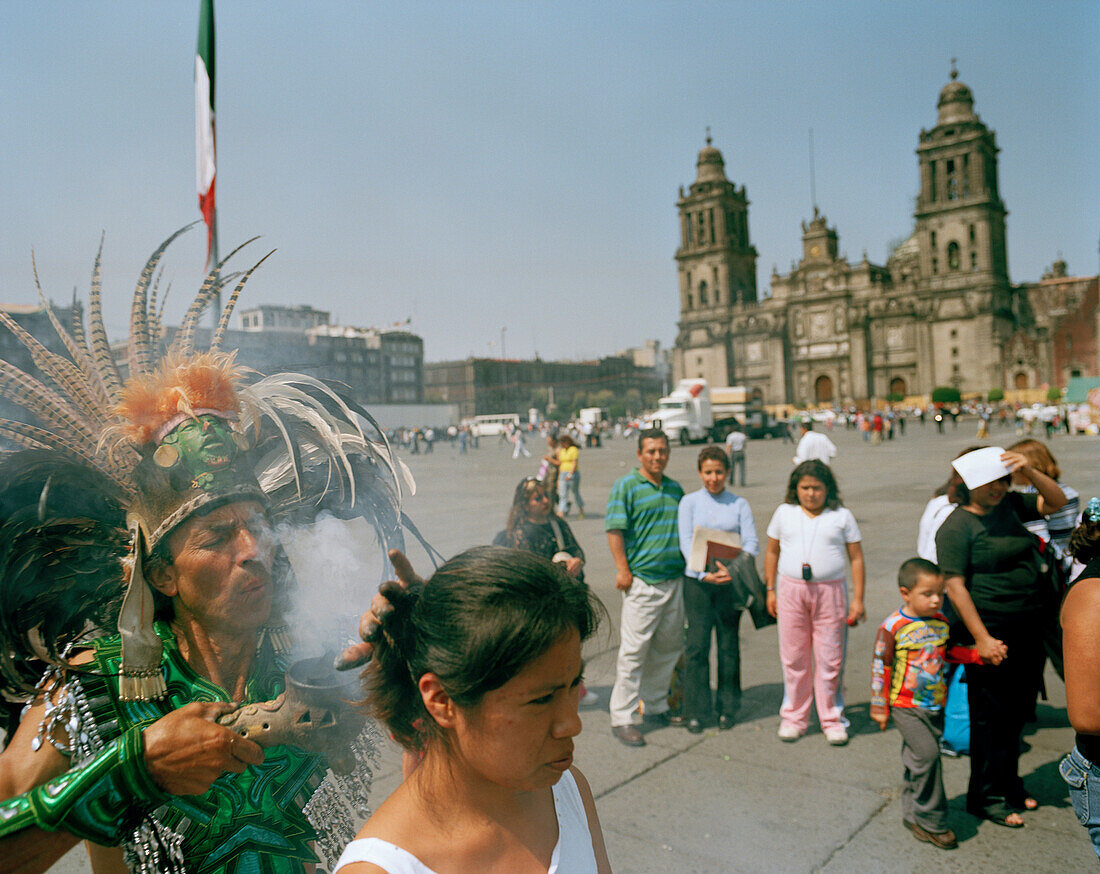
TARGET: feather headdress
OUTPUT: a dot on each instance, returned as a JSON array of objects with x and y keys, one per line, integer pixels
[{"x": 111, "y": 467}]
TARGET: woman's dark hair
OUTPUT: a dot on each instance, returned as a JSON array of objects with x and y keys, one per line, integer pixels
[
  {"x": 516, "y": 513},
  {"x": 819, "y": 470},
  {"x": 713, "y": 453},
  {"x": 566, "y": 441},
  {"x": 1084, "y": 542},
  {"x": 962, "y": 493},
  {"x": 951, "y": 487},
  {"x": 475, "y": 624}
]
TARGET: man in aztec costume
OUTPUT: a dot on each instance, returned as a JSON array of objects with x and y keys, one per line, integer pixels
[{"x": 143, "y": 584}]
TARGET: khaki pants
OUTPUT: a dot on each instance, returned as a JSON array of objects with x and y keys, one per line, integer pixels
[{"x": 651, "y": 639}]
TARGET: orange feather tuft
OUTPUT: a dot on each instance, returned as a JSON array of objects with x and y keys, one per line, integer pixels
[{"x": 206, "y": 381}]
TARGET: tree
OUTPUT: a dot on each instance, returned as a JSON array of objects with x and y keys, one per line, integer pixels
[
  {"x": 1054, "y": 394},
  {"x": 895, "y": 398},
  {"x": 946, "y": 394},
  {"x": 995, "y": 395}
]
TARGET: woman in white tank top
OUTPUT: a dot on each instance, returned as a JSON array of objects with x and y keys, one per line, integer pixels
[{"x": 477, "y": 671}]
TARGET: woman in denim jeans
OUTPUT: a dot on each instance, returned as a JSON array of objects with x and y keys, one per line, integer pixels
[{"x": 1081, "y": 647}]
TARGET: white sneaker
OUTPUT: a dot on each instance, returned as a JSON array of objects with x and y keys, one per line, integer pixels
[
  {"x": 838, "y": 737},
  {"x": 589, "y": 698},
  {"x": 788, "y": 733}
]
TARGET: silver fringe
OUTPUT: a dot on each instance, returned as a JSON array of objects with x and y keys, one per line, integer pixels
[{"x": 339, "y": 807}]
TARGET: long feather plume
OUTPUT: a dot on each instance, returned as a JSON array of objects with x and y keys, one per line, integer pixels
[
  {"x": 54, "y": 411},
  {"x": 141, "y": 352},
  {"x": 77, "y": 350},
  {"x": 101, "y": 346},
  {"x": 214, "y": 282},
  {"x": 62, "y": 372},
  {"x": 32, "y": 437},
  {"x": 223, "y": 322},
  {"x": 154, "y": 321},
  {"x": 160, "y": 312}
]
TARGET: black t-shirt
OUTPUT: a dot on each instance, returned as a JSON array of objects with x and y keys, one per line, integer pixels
[
  {"x": 996, "y": 555},
  {"x": 541, "y": 540}
]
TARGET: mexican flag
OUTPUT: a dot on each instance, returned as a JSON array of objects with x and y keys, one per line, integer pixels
[{"x": 205, "y": 148}]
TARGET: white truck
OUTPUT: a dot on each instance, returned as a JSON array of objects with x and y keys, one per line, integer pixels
[
  {"x": 592, "y": 415},
  {"x": 685, "y": 415}
]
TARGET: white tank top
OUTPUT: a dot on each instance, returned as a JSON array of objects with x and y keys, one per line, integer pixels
[{"x": 573, "y": 853}]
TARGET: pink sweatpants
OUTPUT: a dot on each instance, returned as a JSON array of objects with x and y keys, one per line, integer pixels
[{"x": 813, "y": 633}]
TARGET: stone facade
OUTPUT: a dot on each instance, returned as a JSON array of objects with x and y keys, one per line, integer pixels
[{"x": 940, "y": 312}]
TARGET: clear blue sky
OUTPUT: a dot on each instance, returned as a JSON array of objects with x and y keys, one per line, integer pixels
[{"x": 488, "y": 165}]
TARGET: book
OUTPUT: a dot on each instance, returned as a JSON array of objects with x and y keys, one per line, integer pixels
[{"x": 709, "y": 545}]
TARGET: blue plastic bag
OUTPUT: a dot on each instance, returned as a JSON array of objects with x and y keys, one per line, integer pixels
[{"x": 956, "y": 717}]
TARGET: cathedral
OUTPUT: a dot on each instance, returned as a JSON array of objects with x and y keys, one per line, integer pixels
[{"x": 940, "y": 312}]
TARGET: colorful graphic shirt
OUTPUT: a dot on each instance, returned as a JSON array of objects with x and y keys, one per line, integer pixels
[{"x": 907, "y": 667}]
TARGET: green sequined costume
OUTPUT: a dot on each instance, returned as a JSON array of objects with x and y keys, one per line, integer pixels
[{"x": 256, "y": 822}]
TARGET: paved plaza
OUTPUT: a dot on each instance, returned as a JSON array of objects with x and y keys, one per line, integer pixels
[{"x": 741, "y": 801}]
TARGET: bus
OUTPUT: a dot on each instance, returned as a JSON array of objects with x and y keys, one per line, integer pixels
[{"x": 490, "y": 425}]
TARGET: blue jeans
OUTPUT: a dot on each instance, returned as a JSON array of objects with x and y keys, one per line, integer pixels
[
  {"x": 1083, "y": 778},
  {"x": 569, "y": 484}
]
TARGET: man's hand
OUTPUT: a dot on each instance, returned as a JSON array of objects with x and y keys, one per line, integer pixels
[
  {"x": 186, "y": 750},
  {"x": 371, "y": 622},
  {"x": 772, "y": 603},
  {"x": 991, "y": 651},
  {"x": 624, "y": 579},
  {"x": 856, "y": 612}
]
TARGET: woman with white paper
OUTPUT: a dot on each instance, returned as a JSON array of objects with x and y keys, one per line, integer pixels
[{"x": 995, "y": 580}]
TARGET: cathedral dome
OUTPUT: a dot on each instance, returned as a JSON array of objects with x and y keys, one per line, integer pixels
[
  {"x": 956, "y": 103},
  {"x": 710, "y": 167},
  {"x": 908, "y": 248}
]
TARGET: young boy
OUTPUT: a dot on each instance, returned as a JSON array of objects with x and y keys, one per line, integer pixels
[{"x": 907, "y": 675}]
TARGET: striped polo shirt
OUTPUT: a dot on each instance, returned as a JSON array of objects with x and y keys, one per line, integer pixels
[{"x": 646, "y": 514}]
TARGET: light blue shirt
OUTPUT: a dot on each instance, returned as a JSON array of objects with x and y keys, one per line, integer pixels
[{"x": 725, "y": 511}]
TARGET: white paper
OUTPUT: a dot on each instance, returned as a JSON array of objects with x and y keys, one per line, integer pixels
[{"x": 697, "y": 561}]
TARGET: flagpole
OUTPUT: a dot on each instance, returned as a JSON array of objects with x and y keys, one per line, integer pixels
[
  {"x": 216, "y": 303},
  {"x": 206, "y": 141}
]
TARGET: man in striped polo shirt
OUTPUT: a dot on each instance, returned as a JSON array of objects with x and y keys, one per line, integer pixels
[{"x": 642, "y": 535}]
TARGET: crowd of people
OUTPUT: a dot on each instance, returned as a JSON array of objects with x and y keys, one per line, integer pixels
[
  {"x": 144, "y": 593},
  {"x": 995, "y": 558}
]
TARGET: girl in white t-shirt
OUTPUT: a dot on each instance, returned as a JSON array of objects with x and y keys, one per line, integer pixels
[{"x": 812, "y": 539}]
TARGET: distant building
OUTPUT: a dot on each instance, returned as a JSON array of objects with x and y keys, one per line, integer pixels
[
  {"x": 379, "y": 366},
  {"x": 270, "y": 318},
  {"x": 940, "y": 312},
  {"x": 649, "y": 354},
  {"x": 1060, "y": 315},
  {"x": 482, "y": 386}
]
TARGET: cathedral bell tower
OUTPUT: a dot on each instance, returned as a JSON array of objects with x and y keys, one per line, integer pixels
[
  {"x": 960, "y": 217},
  {"x": 963, "y": 263},
  {"x": 716, "y": 267}
]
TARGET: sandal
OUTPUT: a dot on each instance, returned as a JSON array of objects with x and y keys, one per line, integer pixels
[
  {"x": 998, "y": 816},
  {"x": 1022, "y": 801}
]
